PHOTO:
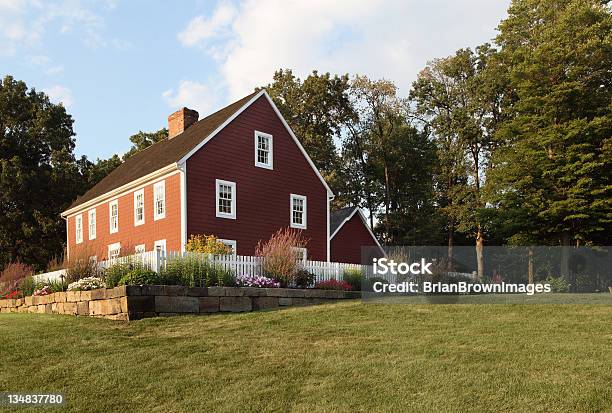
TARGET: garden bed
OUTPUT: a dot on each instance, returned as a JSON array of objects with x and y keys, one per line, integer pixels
[{"x": 130, "y": 302}]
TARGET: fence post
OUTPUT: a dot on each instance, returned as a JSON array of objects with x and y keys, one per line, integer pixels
[{"x": 156, "y": 260}]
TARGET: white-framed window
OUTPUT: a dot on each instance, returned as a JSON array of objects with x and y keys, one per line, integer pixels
[
  {"x": 263, "y": 150},
  {"x": 139, "y": 213},
  {"x": 91, "y": 221},
  {"x": 113, "y": 208},
  {"x": 114, "y": 250},
  {"x": 225, "y": 199},
  {"x": 230, "y": 243},
  {"x": 301, "y": 254},
  {"x": 93, "y": 259},
  {"x": 78, "y": 223},
  {"x": 298, "y": 210},
  {"x": 140, "y": 249},
  {"x": 159, "y": 200},
  {"x": 160, "y": 246}
]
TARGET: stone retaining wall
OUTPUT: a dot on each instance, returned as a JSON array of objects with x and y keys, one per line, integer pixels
[{"x": 135, "y": 302}]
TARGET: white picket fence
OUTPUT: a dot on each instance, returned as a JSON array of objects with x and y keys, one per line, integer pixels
[{"x": 238, "y": 264}]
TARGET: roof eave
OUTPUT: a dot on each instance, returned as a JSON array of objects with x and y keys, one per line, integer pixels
[{"x": 118, "y": 191}]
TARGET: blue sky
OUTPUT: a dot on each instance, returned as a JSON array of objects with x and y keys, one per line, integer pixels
[{"x": 124, "y": 66}]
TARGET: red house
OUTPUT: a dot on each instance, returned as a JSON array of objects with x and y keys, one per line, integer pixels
[
  {"x": 349, "y": 233},
  {"x": 240, "y": 174}
]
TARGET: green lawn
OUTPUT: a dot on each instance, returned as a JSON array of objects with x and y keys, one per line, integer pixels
[{"x": 338, "y": 357}]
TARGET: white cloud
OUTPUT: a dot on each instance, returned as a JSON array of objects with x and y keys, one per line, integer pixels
[
  {"x": 23, "y": 23},
  {"x": 46, "y": 63},
  {"x": 379, "y": 38},
  {"x": 193, "y": 95},
  {"x": 54, "y": 70},
  {"x": 201, "y": 28},
  {"x": 60, "y": 94}
]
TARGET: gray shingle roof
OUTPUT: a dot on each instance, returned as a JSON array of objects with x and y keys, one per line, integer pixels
[
  {"x": 161, "y": 154},
  {"x": 337, "y": 217}
]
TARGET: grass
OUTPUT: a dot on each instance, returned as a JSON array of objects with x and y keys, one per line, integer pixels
[{"x": 338, "y": 357}]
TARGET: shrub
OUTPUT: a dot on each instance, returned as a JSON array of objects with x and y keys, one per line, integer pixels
[
  {"x": 195, "y": 272},
  {"x": 57, "y": 286},
  {"x": 333, "y": 285},
  {"x": 304, "y": 279},
  {"x": 353, "y": 276},
  {"x": 45, "y": 290},
  {"x": 557, "y": 284},
  {"x": 279, "y": 256},
  {"x": 85, "y": 284},
  {"x": 139, "y": 276},
  {"x": 10, "y": 295},
  {"x": 27, "y": 286},
  {"x": 256, "y": 281},
  {"x": 113, "y": 273},
  {"x": 13, "y": 275},
  {"x": 80, "y": 266},
  {"x": 207, "y": 244}
]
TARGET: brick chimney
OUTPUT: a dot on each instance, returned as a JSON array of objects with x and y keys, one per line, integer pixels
[{"x": 181, "y": 120}]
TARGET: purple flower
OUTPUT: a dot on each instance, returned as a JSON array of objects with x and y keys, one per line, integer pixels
[{"x": 256, "y": 281}]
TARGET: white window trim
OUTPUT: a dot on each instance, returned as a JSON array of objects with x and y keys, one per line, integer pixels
[
  {"x": 138, "y": 222},
  {"x": 90, "y": 213},
  {"x": 110, "y": 216},
  {"x": 233, "y": 186},
  {"x": 159, "y": 187},
  {"x": 229, "y": 242},
  {"x": 302, "y": 251},
  {"x": 160, "y": 243},
  {"x": 78, "y": 223},
  {"x": 304, "y": 224},
  {"x": 258, "y": 164},
  {"x": 113, "y": 247},
  {"x": 140, "y": 249}
]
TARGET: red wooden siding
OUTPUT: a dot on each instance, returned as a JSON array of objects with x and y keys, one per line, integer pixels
[
  {"x": 168, "y": 228},
  {"x": 262, "y": 195},
  {"x": 346, "y": 244}
]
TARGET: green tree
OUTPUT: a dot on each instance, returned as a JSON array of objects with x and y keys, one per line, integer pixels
[
  {"x": 143, "y": 140},
  {"x": 94, "y": 172},
  {"x": 460, "y": 101},
  {"x": 368, "y": 139},
  {"x": 39, "y": 176},
  {"x": 316, "y": 108},
  {"x": 552, "y": 174},
  {"x": 389, "y": 165}
]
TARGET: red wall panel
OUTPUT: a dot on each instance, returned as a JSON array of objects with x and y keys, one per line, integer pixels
[
  {"x": 346, "y": 244},
  {"x": 262, "y": 195},
  {"x": 168, "y": 228}
]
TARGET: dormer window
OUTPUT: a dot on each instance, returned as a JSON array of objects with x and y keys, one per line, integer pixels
[{"x": 263, "y": 150}]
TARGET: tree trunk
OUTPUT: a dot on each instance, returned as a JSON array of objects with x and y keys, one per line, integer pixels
[
  {"x": 565, "y": 257},
  {"x": 480, "y": 252},
  {"x": 530, "y": 274},
  {"x": 451, "y": 263},
  {"x": 387, "y": 208}
]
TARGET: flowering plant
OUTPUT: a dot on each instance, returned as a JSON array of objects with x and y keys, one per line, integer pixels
[
  {"x": 256, "y": 281},
  {"x": 88, "y": 283},
  {"x": 10, "y": 295},
  {"x": 46, "y": 290},
  {"x": 333, "y": 285}
]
